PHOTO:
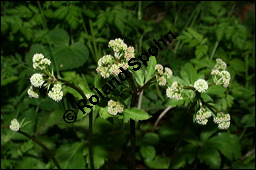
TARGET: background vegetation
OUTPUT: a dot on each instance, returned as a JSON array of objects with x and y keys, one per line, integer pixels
[{"x": 74, "y": 35}]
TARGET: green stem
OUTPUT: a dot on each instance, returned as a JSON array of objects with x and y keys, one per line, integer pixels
[
  {"x": 90, "y": 120},
  {"x": 94, "y": 42},
  {"x": 46, "y": 28},
  {"x": 146, "y": 84},
  {"x": 139, "y": 10},
  {"x": 135, "y": 95},
  {"x": 39, "y": 143},
  {"x": 133, "y": 135},
  {"x": 214, "y": 49}
]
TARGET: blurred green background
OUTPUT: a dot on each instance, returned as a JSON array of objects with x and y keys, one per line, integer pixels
[{"x": 75, "y": 34}]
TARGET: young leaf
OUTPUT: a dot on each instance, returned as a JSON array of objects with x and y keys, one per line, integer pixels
[
  {"x": 148, "y": 152},
  {"x": 151, "y": 68},
  {"x": 135, "y": 114}
]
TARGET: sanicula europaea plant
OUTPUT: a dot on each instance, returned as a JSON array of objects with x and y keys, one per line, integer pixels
[{"x": 74, "y": 36}]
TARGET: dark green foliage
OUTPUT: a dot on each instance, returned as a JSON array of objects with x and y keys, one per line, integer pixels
[{"x": 75, "y": 34}]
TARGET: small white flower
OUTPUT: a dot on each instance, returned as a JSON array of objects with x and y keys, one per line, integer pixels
[
  {"x": 201, "y": 85},
  {"x": 15, "y": 126},
  {"x": 161, "y": 81},
  {"x": 221, "y": 77},
  {"x": 114, "y": 107},
  {"x": 37, "y": 57},
  {"x": 105, "y": 60},
  {"x": 225, "y": 78},
  {"x": 32, "y": 93},
  {"x": 114, "y": 69},
  {"x": 223, "y": 120},
  {"x": 174, "y": 91},
  {"x": 159, "y": 68},
  {"x": 220, "y": 65},
  {"x": 56, "y": 94},
  {"x": 39, "y": 62},
  {"x": 129, "y": 53},
  {"x": 123, "y": 65},
  {"x": 168, "y": 72},
  {"x": 37, "y": 80},
  {"x": 202, "y": 116},
  {"x": 224, "y": 125},
  {"x": 117, "y": 45}
]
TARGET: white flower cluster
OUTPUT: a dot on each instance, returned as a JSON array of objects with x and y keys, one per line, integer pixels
[
  {"x": 162, "y": 73},
  {"x": 56, "y": 94},
  {"x": 114, "y": 107},
  {"x": 202, "y": 116},
  {"x": 109, "y": 65},
  {"x": 220, "y": 65},
  {"x": 219, "y": 73},
  {"x": 174, "y": 91},
  {"x": 32, "y": 93},
  {"x": 37, "y": 80},
  {"x": 223, "y": 120},
  {"x": 201, "y": 85},
  {"x": 15, "y": 126},
  {"x": 117, "y": 45},
  {"x": 39, "y": 62}
]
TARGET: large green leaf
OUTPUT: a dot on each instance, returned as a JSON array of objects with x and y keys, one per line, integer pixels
[
  {"x": 210, "y": 156},
  {"x": 71, "y": 156},
  {"x": 227, "y": 144},
  {"x": 135, "y": 114},
  {"x": 67, "y": 56}
]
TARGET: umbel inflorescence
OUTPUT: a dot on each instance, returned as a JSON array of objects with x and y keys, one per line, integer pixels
[
  {"x": 44, "y": 78},
  {"x": 220, "y": 77}
]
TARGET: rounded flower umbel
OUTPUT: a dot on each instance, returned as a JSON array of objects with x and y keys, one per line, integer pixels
[
  {"x": 15, "y": 126},
  {"x": 201, "y": 85},
  {"x": 32, "y": 93},
  {"x": 223, "y": 120},
  {"x": 220, "y": 65},
  {"x": 202, "y": 116},
  {"x": 110, "y": 65},
  {"x": 56, "y": 93},
  {"x": 175, "y": 91},
  {"x": 162, "y": 74},
  {"x": 221, "y": 77},
  {"x": 114, "y": 107},
  {"x": 37, "y": 80},
  {"x": 219, "y": 73},
  {"x": 39, "y": 62}
]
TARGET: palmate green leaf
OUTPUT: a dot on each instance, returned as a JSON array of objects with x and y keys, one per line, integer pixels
[
  {"x": 210, "y": 156},
  {"x": 151, "y": 68},
  {"x": 67, "y": 56},
  {"x": 70, "y": 156},
  {"x": 186, "y": 153},
  {"x": 189, "y": 73},
  {"x": 216, "y": 90},
  {"x": 227, "y": 144},
  {"x": 135, "y": 114}
]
